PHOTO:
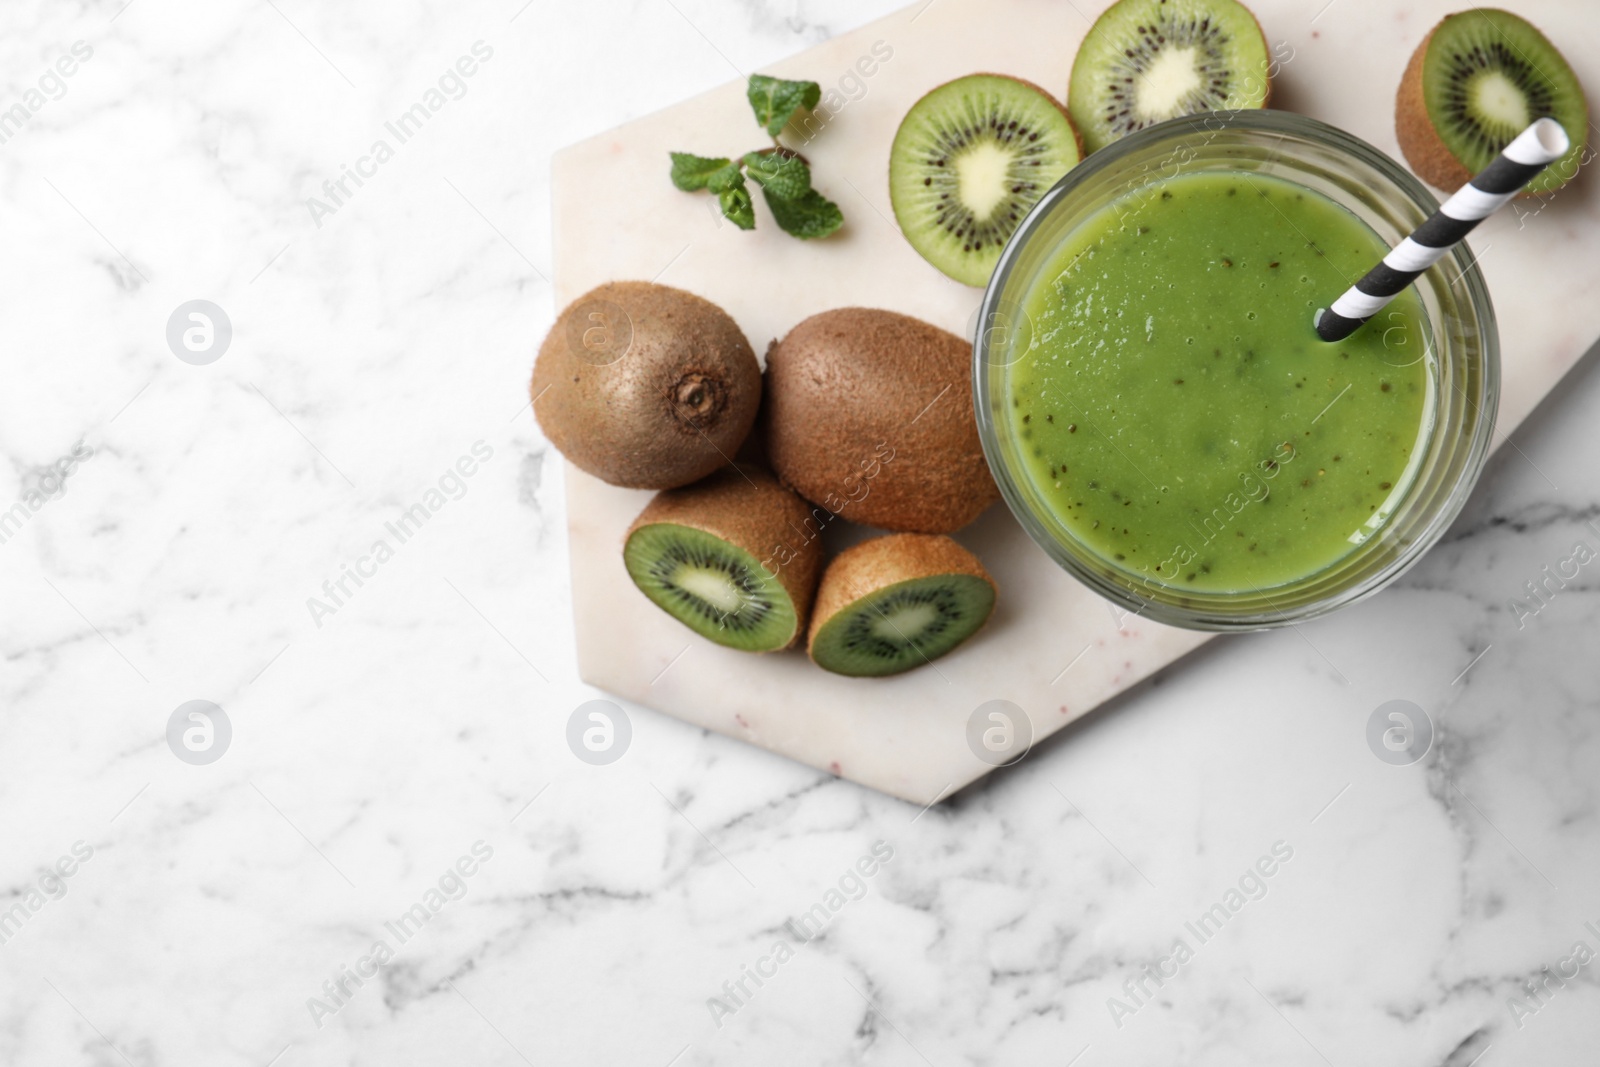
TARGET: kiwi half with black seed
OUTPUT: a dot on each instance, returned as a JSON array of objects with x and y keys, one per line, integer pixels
[
  {"x": 729, "y": 557},
  {"x": 1478, "y": 79},
  {"x": 1146, "y": 61},
  {"x": 896, "y": 602},
  {"x": 969, "y": 160}
]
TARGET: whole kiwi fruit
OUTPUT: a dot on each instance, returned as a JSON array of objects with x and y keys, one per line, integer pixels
[
  {"x": 646, "y": 386},
  {"x": 869, "y": 414}
]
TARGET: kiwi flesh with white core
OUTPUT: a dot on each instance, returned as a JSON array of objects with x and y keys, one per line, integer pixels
[
  {"x": 1146, "y": 61},
  {"x": 729, "y": 557},
  {"x": 969, "y": 160},
  {"x": 868, "y": 413},
  {"x": 896, "y": 602},
  {"x": 1478, "y": 79},
  {"x": 646, "y": 386}
]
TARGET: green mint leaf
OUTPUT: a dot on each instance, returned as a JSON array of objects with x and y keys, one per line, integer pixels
[
  {"x": 737, "y": 206},
  {"x": 729, "y": 177},
  {"x": 809, "y": 215},
  {"x": 691, "y": 172},
  {"x": 780, "y": 175},
  {"x": 775, "y": 101}
]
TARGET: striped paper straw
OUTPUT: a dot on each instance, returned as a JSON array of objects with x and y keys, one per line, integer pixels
[{"x": 1532, "y": 150}]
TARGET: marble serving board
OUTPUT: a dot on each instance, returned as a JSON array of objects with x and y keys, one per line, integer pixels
[{"x": 1053, "y": 648}]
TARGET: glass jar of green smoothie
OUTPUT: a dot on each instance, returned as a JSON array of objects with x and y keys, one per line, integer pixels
[{"x": 1158, "y": 409}]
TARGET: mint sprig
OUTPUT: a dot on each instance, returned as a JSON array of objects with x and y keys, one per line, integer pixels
[
  {"x": 737, "y": 206},
  {"x": 775, "y": 101},
  {"x": 691, "y": 173},
  {"x": 783, "y": 175},
  {"x": 810, "y": 215}
]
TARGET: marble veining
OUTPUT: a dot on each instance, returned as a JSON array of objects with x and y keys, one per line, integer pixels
[{"x": 156, "y": 911}]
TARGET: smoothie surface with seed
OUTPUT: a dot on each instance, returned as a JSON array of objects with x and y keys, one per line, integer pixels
[{"x": 1176, "y": 411}]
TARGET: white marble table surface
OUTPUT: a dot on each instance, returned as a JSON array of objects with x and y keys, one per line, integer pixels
[{"x": 415, "y": 725}]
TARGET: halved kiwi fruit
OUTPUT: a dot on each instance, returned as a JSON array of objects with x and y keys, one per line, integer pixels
[
  {"x": 646, "y": 386},
  {"x": 969, "y": 160},
  {"x": 731, "y": 557},
  {"x": 897, "y": 602},
  {"x": 1146, "y": 61},
  {"x": 1478, "y": 79}
]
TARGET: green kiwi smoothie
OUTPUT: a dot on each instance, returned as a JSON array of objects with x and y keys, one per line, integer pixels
[{"x": 1176, "y": 411}]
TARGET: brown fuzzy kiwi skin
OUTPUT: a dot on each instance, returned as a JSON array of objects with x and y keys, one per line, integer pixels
[
  {"x": 1420, "y": 142},
  {"x": 869, "y": 414},
  {"x": 749, "y": 508},
  {"x": 865, "y": 568},
  {"x": 673, "y": 408}
]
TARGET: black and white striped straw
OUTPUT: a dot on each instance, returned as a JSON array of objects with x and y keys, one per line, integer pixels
[{"x": 1533, "y": 149}]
